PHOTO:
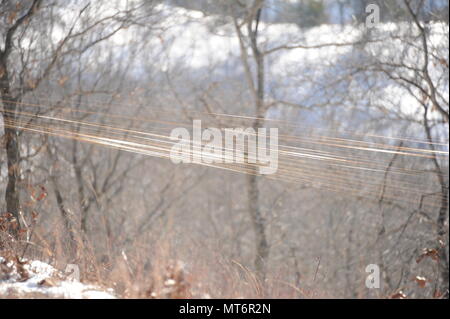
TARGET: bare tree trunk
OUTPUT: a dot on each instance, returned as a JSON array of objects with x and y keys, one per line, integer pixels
[
  {"x": 442, "y": 216},
  {"x": 442, "y": 229},
  {"x": 12, "y": 194},
  {"x": 12, "y": 197},
  {"x": 262, "y": 247},
  {"x": 80, "y": 188}
]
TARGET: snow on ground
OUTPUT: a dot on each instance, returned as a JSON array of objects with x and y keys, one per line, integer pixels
[{"x": 36, "y": 279}]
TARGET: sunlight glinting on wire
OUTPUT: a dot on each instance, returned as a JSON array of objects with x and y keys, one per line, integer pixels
[
  {"x": 352, "y": 167},
  {"x": 285, "y": 122},
  {"x": 165, "y": 148}
]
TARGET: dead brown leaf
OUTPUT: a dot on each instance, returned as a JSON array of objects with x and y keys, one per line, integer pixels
[
  {"x": 421, "y": 281},
  {"x": 12, "y": 17},
  {"x": 428, "y": 252},
  {"x": 49, "y": 282},
  {"x": 63, "y": 80},
  {"x": 398, "y": 295}
]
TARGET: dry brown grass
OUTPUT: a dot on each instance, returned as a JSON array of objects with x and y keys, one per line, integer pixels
[{"x": 153, "y": 268}]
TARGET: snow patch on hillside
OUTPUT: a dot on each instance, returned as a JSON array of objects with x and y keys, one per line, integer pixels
[{"x": 36, "y": 279}]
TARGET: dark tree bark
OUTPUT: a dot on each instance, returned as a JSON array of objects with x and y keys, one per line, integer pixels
[
  {"x": 11, "y": 141},
  {"x": 259, "y": 225},
  {"x": 442, "y": 229},
  {"x": 12, "y": 146}
]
